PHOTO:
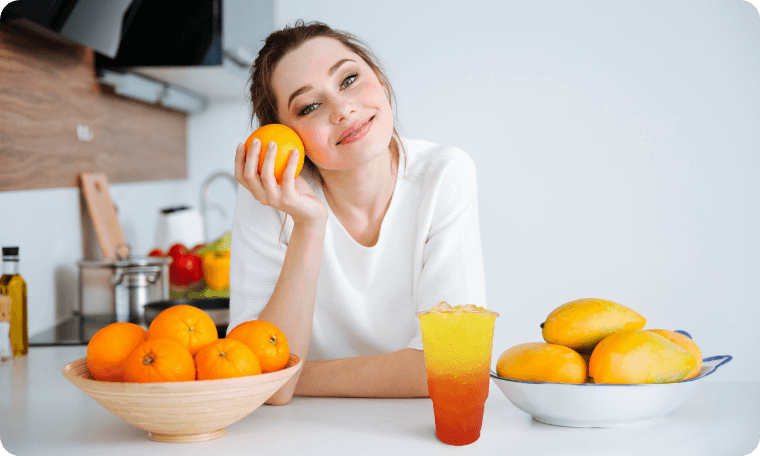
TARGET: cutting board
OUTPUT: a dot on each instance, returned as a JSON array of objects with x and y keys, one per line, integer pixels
[{"x": 102, "y": 212}]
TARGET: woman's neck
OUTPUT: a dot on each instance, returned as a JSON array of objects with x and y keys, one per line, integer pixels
[{"x": 363, "y": 192}]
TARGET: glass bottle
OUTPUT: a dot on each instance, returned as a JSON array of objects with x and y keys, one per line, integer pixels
[
  {"x": 13, "y": 285},
  {"x": 6, "y": 349}
]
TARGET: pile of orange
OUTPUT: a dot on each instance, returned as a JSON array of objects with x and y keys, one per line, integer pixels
[{"x": 182, "y": 344}]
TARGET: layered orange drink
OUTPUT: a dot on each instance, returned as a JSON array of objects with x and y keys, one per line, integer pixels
[{"x": 457, "y": 343}]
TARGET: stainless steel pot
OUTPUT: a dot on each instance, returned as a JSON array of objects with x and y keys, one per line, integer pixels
[{"x": 121, "y": 288}]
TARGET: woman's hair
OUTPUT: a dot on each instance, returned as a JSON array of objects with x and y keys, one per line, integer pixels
[{"x": 278, "y": 44}]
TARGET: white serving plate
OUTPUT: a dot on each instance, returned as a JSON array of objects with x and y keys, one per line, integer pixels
[{"x": 601, "y": 405}]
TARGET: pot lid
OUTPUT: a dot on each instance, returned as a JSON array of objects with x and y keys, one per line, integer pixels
[{"x": 130, "y": 261}]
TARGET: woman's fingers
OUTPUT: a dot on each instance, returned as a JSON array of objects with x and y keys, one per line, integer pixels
[
  {"x": 240, "y": 163},
  {"x": 294, "y": 196},
  {"x": 251, "y": 178},
  {"x": 289, "y": 177},
  {"x": 267, "y": 172}
]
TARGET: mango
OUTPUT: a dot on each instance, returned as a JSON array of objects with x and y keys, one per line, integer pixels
[
  {"x": 583, "y": 323},
  {"x": 686, "y": 343},
  {"x": 542, "y": 362},
  {"x": 636, "y": 356}
]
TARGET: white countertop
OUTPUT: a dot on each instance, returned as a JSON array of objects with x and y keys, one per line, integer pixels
[{"x": 42, "y": 413}]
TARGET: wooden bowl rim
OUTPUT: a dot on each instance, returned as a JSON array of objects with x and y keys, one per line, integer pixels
[{"x": 294, "y": 363}]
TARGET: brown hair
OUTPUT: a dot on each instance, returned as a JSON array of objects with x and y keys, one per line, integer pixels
[{"x": 278, "y": 44}]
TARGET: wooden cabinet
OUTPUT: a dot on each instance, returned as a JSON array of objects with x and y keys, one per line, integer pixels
[{"x": 57, "y": 121}]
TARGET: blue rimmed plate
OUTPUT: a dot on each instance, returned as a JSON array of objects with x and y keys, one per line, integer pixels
[{"x": 601, "y": 405}]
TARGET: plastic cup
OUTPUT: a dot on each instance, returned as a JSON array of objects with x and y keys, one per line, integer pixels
[{"x": 457, "y": 346}]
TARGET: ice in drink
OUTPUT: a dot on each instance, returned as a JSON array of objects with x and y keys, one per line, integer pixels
[{"x": 457, "y": 344}]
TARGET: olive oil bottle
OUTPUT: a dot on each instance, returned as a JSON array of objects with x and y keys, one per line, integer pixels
[{"x": 13, "y": 285}]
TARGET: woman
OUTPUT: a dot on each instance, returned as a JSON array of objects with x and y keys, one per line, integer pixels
[{"x": 372, "y": 231}]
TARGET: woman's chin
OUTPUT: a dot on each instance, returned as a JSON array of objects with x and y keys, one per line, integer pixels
[{"x": 360, "y": 154}]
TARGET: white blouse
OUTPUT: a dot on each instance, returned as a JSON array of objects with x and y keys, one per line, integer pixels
[{"x": 428, "y": 251}]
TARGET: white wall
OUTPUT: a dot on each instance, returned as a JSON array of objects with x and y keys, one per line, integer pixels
[{"x": 616, "y": 144}]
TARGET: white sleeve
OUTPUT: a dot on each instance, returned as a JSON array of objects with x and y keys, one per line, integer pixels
[
  {"x": 256, "y": 257},
  {"x": 452, "y": 268}
]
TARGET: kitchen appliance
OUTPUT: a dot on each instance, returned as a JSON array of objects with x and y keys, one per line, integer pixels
[
  {"x": 78, "y": 330},
  {"x": 97, "y": 25},
  {"x": 216, "y": 308},
  {"x": 205, "y": 46},
  {"x": 122, "y": 287},
  {"x": 180, "y": 224}
]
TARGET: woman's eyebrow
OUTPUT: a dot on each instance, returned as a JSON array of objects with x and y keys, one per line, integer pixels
[{"x": 306, "y": 88}]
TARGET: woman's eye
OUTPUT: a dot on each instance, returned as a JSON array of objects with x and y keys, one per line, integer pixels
[
  {"x": 307, "y": 109},
  {"x": 348, "y": 81}
]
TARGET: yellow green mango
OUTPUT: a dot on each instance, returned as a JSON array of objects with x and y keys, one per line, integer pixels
[
  {"x": 542, "y": 362},
  {"x": 636, "y": 356},
  {"x": 582, "y": 323},
  {"x": 686, "y": 343}
]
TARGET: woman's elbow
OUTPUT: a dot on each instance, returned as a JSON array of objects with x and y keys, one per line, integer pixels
[
  {"x": 273, "y": 401},
  {"x": 279, "y": 398},
  {"x": 286, "y": 391}
]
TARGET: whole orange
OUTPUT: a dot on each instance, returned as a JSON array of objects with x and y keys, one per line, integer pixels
[
  {"x": 159, "y": 360},
  {"x": 266, "y": 341},
  {"x": 108, "y": 348},
  {"x": 188, "y": 325},
  {"x": 286, "y": 139},
  {"x": 226, "y": 358}
]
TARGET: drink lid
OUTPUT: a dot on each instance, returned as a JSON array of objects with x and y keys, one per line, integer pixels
[{"x": 10, "y": 251}]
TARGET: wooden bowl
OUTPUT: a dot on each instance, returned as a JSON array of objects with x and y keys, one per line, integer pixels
[{"x": 191, "y": 411}]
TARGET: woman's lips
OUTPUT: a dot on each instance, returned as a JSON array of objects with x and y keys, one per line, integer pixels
[{"x": 357, "y": 133}]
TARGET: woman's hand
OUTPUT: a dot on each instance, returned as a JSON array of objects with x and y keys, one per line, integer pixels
[{"x": 294, "y": 197}]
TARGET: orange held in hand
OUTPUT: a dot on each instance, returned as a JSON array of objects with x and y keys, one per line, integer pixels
[
  {"x": 226, "y": 358},
  {"x": 108, "y": 348},
  {"x": 190, "y": 326},
  {"x": 266, "y": 341},
  {"x": 159, "y": 360},
  {"x": 286, "y": 139}
]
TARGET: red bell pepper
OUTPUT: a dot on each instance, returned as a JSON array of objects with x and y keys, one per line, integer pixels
[
  {"x": 176, "y": 249},
  {"x": 186, "y": 267}
]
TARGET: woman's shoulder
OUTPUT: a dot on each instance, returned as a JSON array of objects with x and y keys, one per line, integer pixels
[
  {"x": 430, "y": 160},
  {"x": 428, "y": 150}
]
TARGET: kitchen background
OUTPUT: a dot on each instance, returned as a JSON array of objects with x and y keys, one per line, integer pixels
[{"x": 616, "y": 144}]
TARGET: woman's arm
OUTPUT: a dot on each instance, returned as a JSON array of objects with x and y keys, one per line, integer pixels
[
  {"x": 291, "y": 307},
  {"x": 397, "y": 374}
]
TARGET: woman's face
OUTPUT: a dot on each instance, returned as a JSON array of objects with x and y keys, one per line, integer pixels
[{"x": 335, "y": 103}]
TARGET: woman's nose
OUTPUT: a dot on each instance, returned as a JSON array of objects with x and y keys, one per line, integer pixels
[{"x": 342, "y": 108}]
